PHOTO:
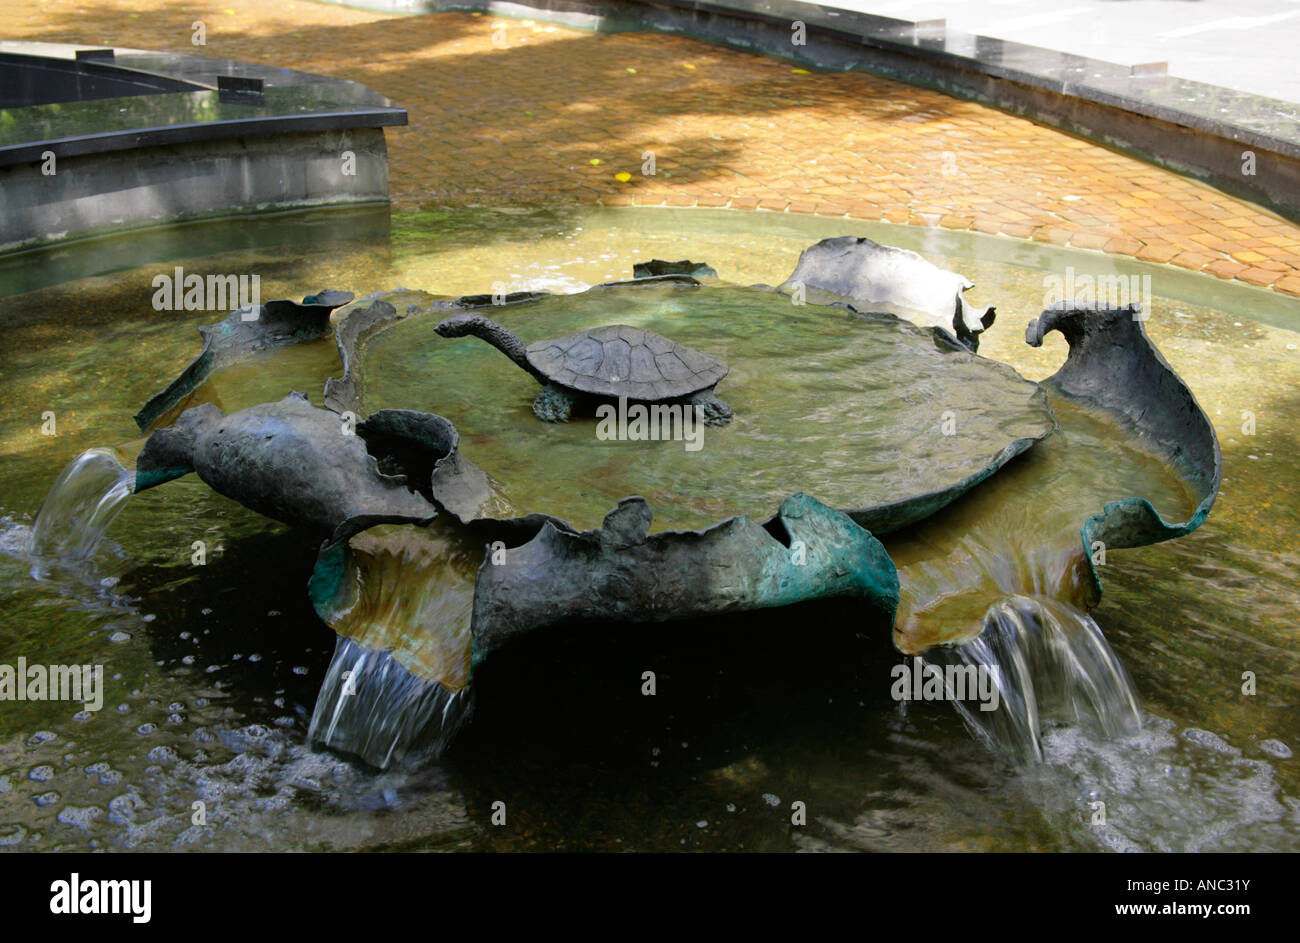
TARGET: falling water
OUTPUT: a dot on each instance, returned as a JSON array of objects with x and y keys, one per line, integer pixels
[
  {"x": 88, "y": 494},
  {"x": 371, "y": 706},
  {"x": 1053, "y": 664},
  {"x": 400, "y": 597}
]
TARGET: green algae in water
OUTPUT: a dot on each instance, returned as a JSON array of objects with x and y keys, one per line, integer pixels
[{"x": 856, "y": 410}]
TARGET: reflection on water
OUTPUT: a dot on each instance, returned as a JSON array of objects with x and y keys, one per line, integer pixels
[{"x": 212, "y": 672}]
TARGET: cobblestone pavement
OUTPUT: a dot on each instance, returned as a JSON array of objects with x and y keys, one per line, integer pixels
[{"x": 512, "y": 112}]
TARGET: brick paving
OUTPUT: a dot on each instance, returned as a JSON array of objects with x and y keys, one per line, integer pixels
[{"x": 508, "y": 112}]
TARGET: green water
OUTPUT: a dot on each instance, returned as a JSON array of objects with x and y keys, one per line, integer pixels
[
  {"x": 848, "y": 408},
  {"x": 212, "y": 670}
]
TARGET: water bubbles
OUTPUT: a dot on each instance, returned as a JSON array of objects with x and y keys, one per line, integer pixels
[
  {"x": 109, "y": 777},
  {"x": 148, "y": 618},
  {"x": 120, "y": 636},
  {"x": 771, "y": 800},
  {"x": 123, "y": 708},
  {"x": 187, "y": 660},
  {"x": 146, "y": 730},
  {"x": 11, "y": 835},
  {"x": 703, "y": 823},
  {"x": 41, "y": 774},
  {"x": 175, "y": 718},
  {"x": 79, "y": 816},
  {"x": 41, "y": 736},
  {"x": 46, "y": 798},
  {"x": 165, "y": 755},
  {"x": 300, "y": 669},
  {"x": 1210, "y": 741},
  {"x": 122, "y": 809},
  {"x": 1276, "y": 748},
  {"x": 255, "y": 657}
]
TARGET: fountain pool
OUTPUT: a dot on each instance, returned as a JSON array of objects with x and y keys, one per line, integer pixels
[{"x": 213, "y": 670}]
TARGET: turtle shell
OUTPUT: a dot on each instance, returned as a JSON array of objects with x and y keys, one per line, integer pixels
[{"x": 626, "y": 361}]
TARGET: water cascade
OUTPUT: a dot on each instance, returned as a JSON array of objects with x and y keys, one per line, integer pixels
[
  {"x": 89, "y": 493},
  {"x": 1050, "y": 662}
]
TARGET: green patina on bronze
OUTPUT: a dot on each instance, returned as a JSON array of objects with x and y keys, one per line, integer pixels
[{"x": 622, "y": 573}]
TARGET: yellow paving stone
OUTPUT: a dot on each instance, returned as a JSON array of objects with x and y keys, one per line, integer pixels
[{"x": 519, "y": 123}]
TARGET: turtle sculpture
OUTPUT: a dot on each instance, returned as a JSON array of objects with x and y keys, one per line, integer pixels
[{"x": 605, "y": 363}]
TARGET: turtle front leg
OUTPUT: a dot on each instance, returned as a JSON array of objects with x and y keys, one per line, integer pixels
[
  {"x": 553, "y": 404},
  {"x": 716, "y": 412}
]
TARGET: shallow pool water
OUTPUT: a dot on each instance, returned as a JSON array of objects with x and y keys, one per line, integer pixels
[
  {"x": 849, "y": 408},
  {"x": 212, "y": 670}
]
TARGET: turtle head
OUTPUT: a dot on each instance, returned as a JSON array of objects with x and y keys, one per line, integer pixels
[{"x": 459, "y": 325}]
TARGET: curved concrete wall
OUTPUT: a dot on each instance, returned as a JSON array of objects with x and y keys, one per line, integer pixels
[
  {"x": 135, "y": 139},
  {"x": 95, "y": 194}
]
